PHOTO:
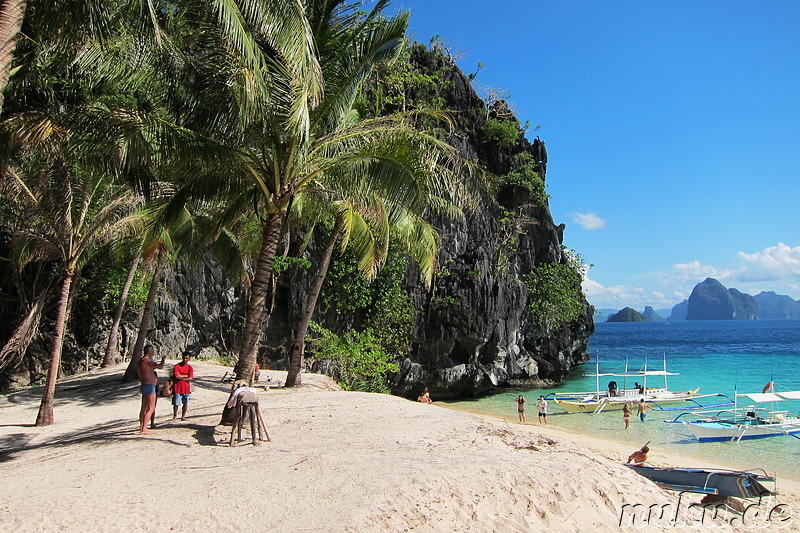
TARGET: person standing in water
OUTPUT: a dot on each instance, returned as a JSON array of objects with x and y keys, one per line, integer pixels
[
  {"x": 626, "y": 414},
  {"x": 521, "y": 408},
  {"x": 542, "y": 408},
  {"x": 642, "y": 409}
]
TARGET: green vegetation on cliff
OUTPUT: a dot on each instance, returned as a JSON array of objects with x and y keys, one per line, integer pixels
[
  {"x": 236, "y": 127},
  {"x": 627, "y": 315}
]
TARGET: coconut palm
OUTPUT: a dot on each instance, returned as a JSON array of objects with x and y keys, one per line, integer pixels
[
  {"x": 56, "y": 173},
  {"x": 278, "y": 157},
  {"x": 11, "y": 14},
  {"x": 110, "y": 355},
  {"x": 368, "y": 229},
  {"x": 163, "y": 236},
  {"x": 66, "y": 215}
]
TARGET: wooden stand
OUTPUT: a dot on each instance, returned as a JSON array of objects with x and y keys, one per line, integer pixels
[{"x": 247, "y": 407}]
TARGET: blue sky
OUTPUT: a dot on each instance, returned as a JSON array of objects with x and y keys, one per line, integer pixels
[{"x": 672, "y": 130}]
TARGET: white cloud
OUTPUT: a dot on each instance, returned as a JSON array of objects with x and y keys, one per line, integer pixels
[
  {"x": 776, "y": 268},
  {"x": 588, "y": 220},
  {"x": 774, "y": 263},
  {"x": 695, "y": 272},
  {"x": 620, "y": 296}
]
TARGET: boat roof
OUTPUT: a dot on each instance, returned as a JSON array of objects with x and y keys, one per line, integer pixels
[
  {"x": 762, "y": 397},
  {"x": 634, "y": 374}
]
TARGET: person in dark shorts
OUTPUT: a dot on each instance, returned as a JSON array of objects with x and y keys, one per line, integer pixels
[
  {"x": 146, "y": 368},
  {"x": 521, "y": 408},
  {"x": 542, "y": 408}
]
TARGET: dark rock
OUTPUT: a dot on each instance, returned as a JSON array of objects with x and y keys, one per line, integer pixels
[
  {"x": 710, "y": 300},
  {"x": 773, "y": 306},
  {"x": 651, "y": 316},
  {"x": 679, "y": 311},
  {"x": 479, "y": 340}
]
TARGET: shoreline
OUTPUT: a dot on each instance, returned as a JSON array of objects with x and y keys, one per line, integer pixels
[
  {"x": 618, "y": 449},
  {"x": 337, "y": 461}
]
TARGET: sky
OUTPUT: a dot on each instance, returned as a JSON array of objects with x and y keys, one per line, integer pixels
[{"x": 672, "y": 131}]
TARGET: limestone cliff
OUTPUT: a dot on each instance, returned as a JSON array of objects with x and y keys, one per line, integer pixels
[
  {"x": 710, "y": 300},
  {"x": 477, "y": 336}
]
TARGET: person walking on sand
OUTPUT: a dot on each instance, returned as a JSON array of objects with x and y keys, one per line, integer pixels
[
  {"x": 626, "y": 414},
  {"x": 642, "y": 411},
  {"x": 542, "y": 408},
  {"x": 521, "y": 408},
  {"x": 182, "y": 376},
  {"x": 146, "y": 368}
]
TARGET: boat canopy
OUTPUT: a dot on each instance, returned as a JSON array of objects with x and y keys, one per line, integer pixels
[
  {"x": 634, "y": 374},
  {"x": 763, "y": 397}
]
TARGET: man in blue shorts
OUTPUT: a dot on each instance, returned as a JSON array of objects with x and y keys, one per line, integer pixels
[
  {"x": 642, "y": 409},
  {"x": 146, "y": 368}
]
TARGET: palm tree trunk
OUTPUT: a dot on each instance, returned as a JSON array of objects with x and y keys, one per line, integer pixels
[
  {"x": 293, "y": 377},
  {"x": 45, "y": 416},
  {"x": 12, "y": 12},
  {"x": 131, "y": 372},
  {"x": 251, "y": 333},
  {"x": 111, "y": 347}
]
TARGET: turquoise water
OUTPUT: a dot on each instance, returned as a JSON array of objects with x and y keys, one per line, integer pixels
[{"x": 717, "y": 356}]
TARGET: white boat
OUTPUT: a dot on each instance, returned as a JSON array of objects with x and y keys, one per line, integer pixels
[
  {"x": 751, "y": 422},
  {"x": 613, "y": 399}
]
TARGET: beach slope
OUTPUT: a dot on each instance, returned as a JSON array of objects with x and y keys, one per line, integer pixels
[{"x": 338, "y": 461}]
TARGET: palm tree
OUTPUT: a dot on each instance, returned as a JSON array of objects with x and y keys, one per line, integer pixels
[
  {"x": 55, "y": 172},
  {"x": 418, "y": 237},
  {"x": 165, "y": 235},
  {"x": 109, "y": 357},
  {"x": 281, "y": 157},
  {"x": 11, "y": 14},
  {"x": 66, "y": 214}
]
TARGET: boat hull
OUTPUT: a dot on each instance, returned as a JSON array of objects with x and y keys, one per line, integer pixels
[
  {"x": 616, "y": 403},
  {"x": 722, "y": 482},
  {"x": 718, "y": 431}
]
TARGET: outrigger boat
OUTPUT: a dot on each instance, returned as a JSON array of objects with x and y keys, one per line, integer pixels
[
  {"x": 744, "y": 423},
  {"x": 613, "y": 398},
  {"x": 739, "y": 484}
]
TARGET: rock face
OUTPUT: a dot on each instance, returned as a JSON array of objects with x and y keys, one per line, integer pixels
[
  {"x": 651, "y": 315},
  {"x": 627, "y": 315},
  {"x": 773, "y": 306},
  {"x": 679, "y": 311},
  {"x": 480, "y": 339},
  {"x": 710, "y": 300}
]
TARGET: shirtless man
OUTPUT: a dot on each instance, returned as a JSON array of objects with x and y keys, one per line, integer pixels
[
  {"x": 639, "y": 456},
  {"x": 643, "y": 405},
  {"x": 149, "y": 387}
]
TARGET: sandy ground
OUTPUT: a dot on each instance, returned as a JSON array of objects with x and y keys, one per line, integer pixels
[{"x": 338, "y": 462}]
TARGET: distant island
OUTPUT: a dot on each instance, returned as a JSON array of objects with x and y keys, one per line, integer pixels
[
  {"x": 711, "y": 300},
  {"x": 627, "y": 315}
]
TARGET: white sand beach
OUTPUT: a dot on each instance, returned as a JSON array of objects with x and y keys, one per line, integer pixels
[{"x": 338, "y": 461}]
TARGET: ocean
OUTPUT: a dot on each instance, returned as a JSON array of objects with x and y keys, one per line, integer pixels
[{"x": 717, "y": 356}]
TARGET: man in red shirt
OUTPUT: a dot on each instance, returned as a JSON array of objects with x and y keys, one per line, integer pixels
[{"x": 182, "y": 376}]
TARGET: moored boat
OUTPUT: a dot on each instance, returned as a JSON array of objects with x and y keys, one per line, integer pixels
[
  {"x": 613, "y": 398},
  {"x": 739, "y": 484},
  {"x": 745, "y": 423}
]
